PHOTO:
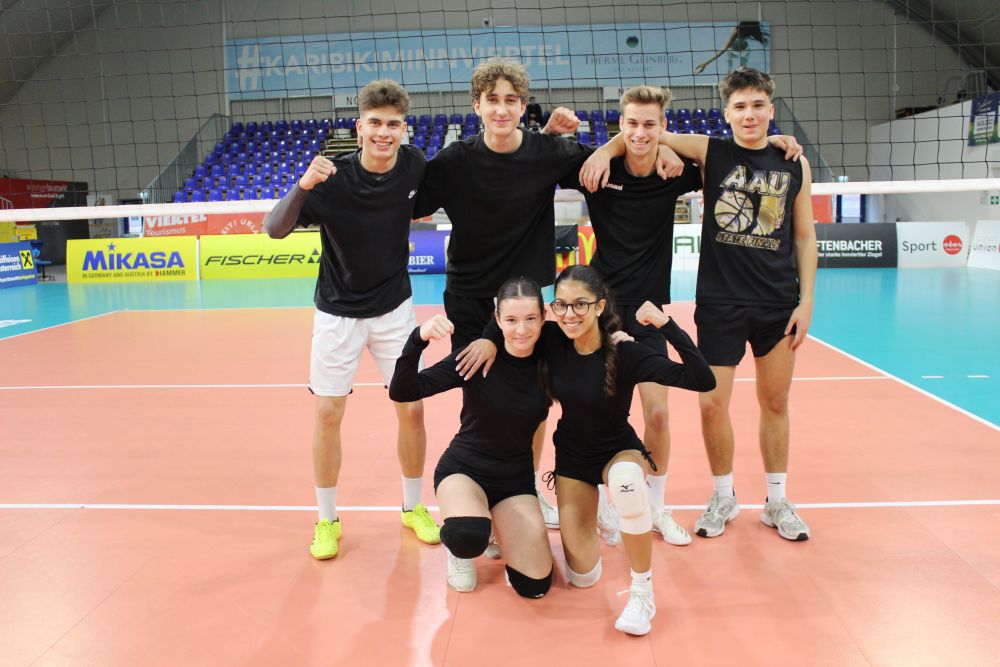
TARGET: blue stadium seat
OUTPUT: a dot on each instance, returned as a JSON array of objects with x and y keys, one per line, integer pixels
[
  {"x": 583, "y": 138},
  {"x": 715, "y": 112},
  {"x": 197, "y": 195},
  {"x": 613, "y": 115},
  {"x": 214, "y": 195},
  {"x": 190, "y": 183},
  {"x": 179, "y": 197},
  {"x": 699, "y": 114},
  {"x": 683, "y": 114},
  {"x": 455, "y": 119}
]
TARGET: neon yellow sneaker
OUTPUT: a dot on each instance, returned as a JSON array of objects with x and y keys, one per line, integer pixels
[
  {"x": 422, "y": 524},
  {"x": 324, "y": 545}
]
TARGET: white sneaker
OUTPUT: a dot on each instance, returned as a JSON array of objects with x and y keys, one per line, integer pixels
[
  {"x": 719, "y": 512},
  {"x": 461, "y": 573},
  {"x": 493, "y": 548},
  {"x": 549, "y": 513},
  {"x": 781, "y": 514},
  {"x": 607, "y": 522},
  {"x": 640, "y": 610},
  {"x": 672, "y": 532}
]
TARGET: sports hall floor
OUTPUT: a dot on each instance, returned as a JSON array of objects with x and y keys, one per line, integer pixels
[{"x": 156, "y": 495}]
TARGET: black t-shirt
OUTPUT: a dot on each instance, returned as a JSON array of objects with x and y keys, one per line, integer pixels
[
  {"x": 501, "y": 209},
  {"x": 500, "y": 412},
  {"x": 593, "y": 425},
  {"x": 747, "y": 240},
  {"x": 633, "y": 218},
  {"x": 364, "y": 223}
]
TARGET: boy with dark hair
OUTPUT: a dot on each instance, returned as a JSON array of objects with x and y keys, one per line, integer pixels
[
  {"x": 755, "y": 284},
  {"x": 363, "y": 203}
]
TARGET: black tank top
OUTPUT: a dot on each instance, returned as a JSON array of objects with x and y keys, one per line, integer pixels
[{"x": 747, "y": 244}]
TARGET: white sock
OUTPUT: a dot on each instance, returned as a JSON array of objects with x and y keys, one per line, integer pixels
[
  {"x": 723, "y": 485},
  {"x": 657, "y": 491},
  {"x": 776, "y": 485},
  {"x": 538, "y": 482},
  {"x": 412, "y": 489},
  {"x": 643, "y": 581},
  {"x": 326, "y": 498}
]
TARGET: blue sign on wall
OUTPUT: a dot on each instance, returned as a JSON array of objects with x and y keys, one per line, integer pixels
[
  {"x": 428, "y": 251},
  {"x": 568, "y": 56},
  {"x": 17, "y": 265}
]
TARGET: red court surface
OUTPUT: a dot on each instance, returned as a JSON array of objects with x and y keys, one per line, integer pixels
[{"x": 180, "y": 442}]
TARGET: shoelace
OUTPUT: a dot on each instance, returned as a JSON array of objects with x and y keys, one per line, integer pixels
[
  {"x": 639, "y": 601},
  {"x": 462, "y": 565},
  {"x": 714, "y": 509}
]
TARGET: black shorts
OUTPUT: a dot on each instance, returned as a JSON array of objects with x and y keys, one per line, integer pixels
[
  {"x": 470, "y": 315},
  {"x": 589, "y": 467},
  {"x": 724, "y": 330},
  {"x": 499, "y": 480},
  {"x": 644, "y": 334}
]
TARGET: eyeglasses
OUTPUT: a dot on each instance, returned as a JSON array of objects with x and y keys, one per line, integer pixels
[{"x": 579, "y": 307}]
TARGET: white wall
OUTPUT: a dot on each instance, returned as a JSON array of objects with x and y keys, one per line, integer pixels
[{"x": 120, "y": 99}]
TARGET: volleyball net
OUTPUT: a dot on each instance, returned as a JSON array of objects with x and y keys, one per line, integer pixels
[{"x": 108, "y": 102}]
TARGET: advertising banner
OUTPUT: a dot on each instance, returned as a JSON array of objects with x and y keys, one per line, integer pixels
[
  {"x": 428, "y": 251},
  {"x": 930, "y": 244},
  {"x": 17, "y": 265},
  {"x": 985, "y": 251},
  {"x": 857, "y": 246},
  {"x": 198, "y": 224},
  {"x": 260, "y": 256},
  {"x": 131, "y": 260},
  {"x": 592, "y": 55},
  {"x": 35, "y": 193},
  {"x": 983, "y": 126}
]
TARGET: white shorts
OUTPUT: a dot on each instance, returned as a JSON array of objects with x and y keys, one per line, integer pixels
[{"x": 337, "y": 343}]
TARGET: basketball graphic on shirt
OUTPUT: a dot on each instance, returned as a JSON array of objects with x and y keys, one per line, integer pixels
[{"x": 734, "y": 211}]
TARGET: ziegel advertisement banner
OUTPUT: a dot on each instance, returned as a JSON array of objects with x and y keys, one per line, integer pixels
[
  {"x": 985, "y": 251},
  {"x": 131, "y": 260},
  {"x": 930, "y": 244},
  {"x": 857, "y": 246}
]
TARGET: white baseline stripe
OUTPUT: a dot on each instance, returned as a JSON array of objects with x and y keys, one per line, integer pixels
[
  {"x": 356, "y": 384},
  {"x": 175, "y": 386},
  {"x": 914, "y": 387},
  {"x": 395, "y": 508},
  {"x": 61, "y": 324}
]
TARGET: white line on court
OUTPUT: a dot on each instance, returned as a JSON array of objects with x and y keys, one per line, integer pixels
[
  {"x": 914, "y": 387},
  {"x": 978, "y": 377},
  {"x": 61, "y": 324},
  {"x": 356, "y": 384},
  {"x": 931, "y": 377},
  {"x": 395, "y": 508}
]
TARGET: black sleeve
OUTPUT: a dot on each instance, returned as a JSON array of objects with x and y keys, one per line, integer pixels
[
  {"x": 572, "y": 155},
  {"x": 408, "y": 385},
  {"x": 433, "y": 190},
  {"x": 492, "y": 332},
  {"x": 551, "y": 338},
  {"x": 691, "y": 176},
  {"x": 281, "y": 220},
  {"x": 692, "y": 373}
]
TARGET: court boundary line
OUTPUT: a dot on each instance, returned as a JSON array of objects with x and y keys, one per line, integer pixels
[
  {"x": 61, "y": 324},
  {"x": 841, "y": 378},
  {"x": 919, "y": 390},
  {"x": 889, "y": 504}
]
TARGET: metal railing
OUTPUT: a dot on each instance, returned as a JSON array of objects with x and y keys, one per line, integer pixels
[{"x": 162, "y": 188}]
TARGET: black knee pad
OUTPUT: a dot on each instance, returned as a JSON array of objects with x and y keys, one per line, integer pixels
[
  {"x": 466, "y": 536},
  {"x": 527, "y": 587}
]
